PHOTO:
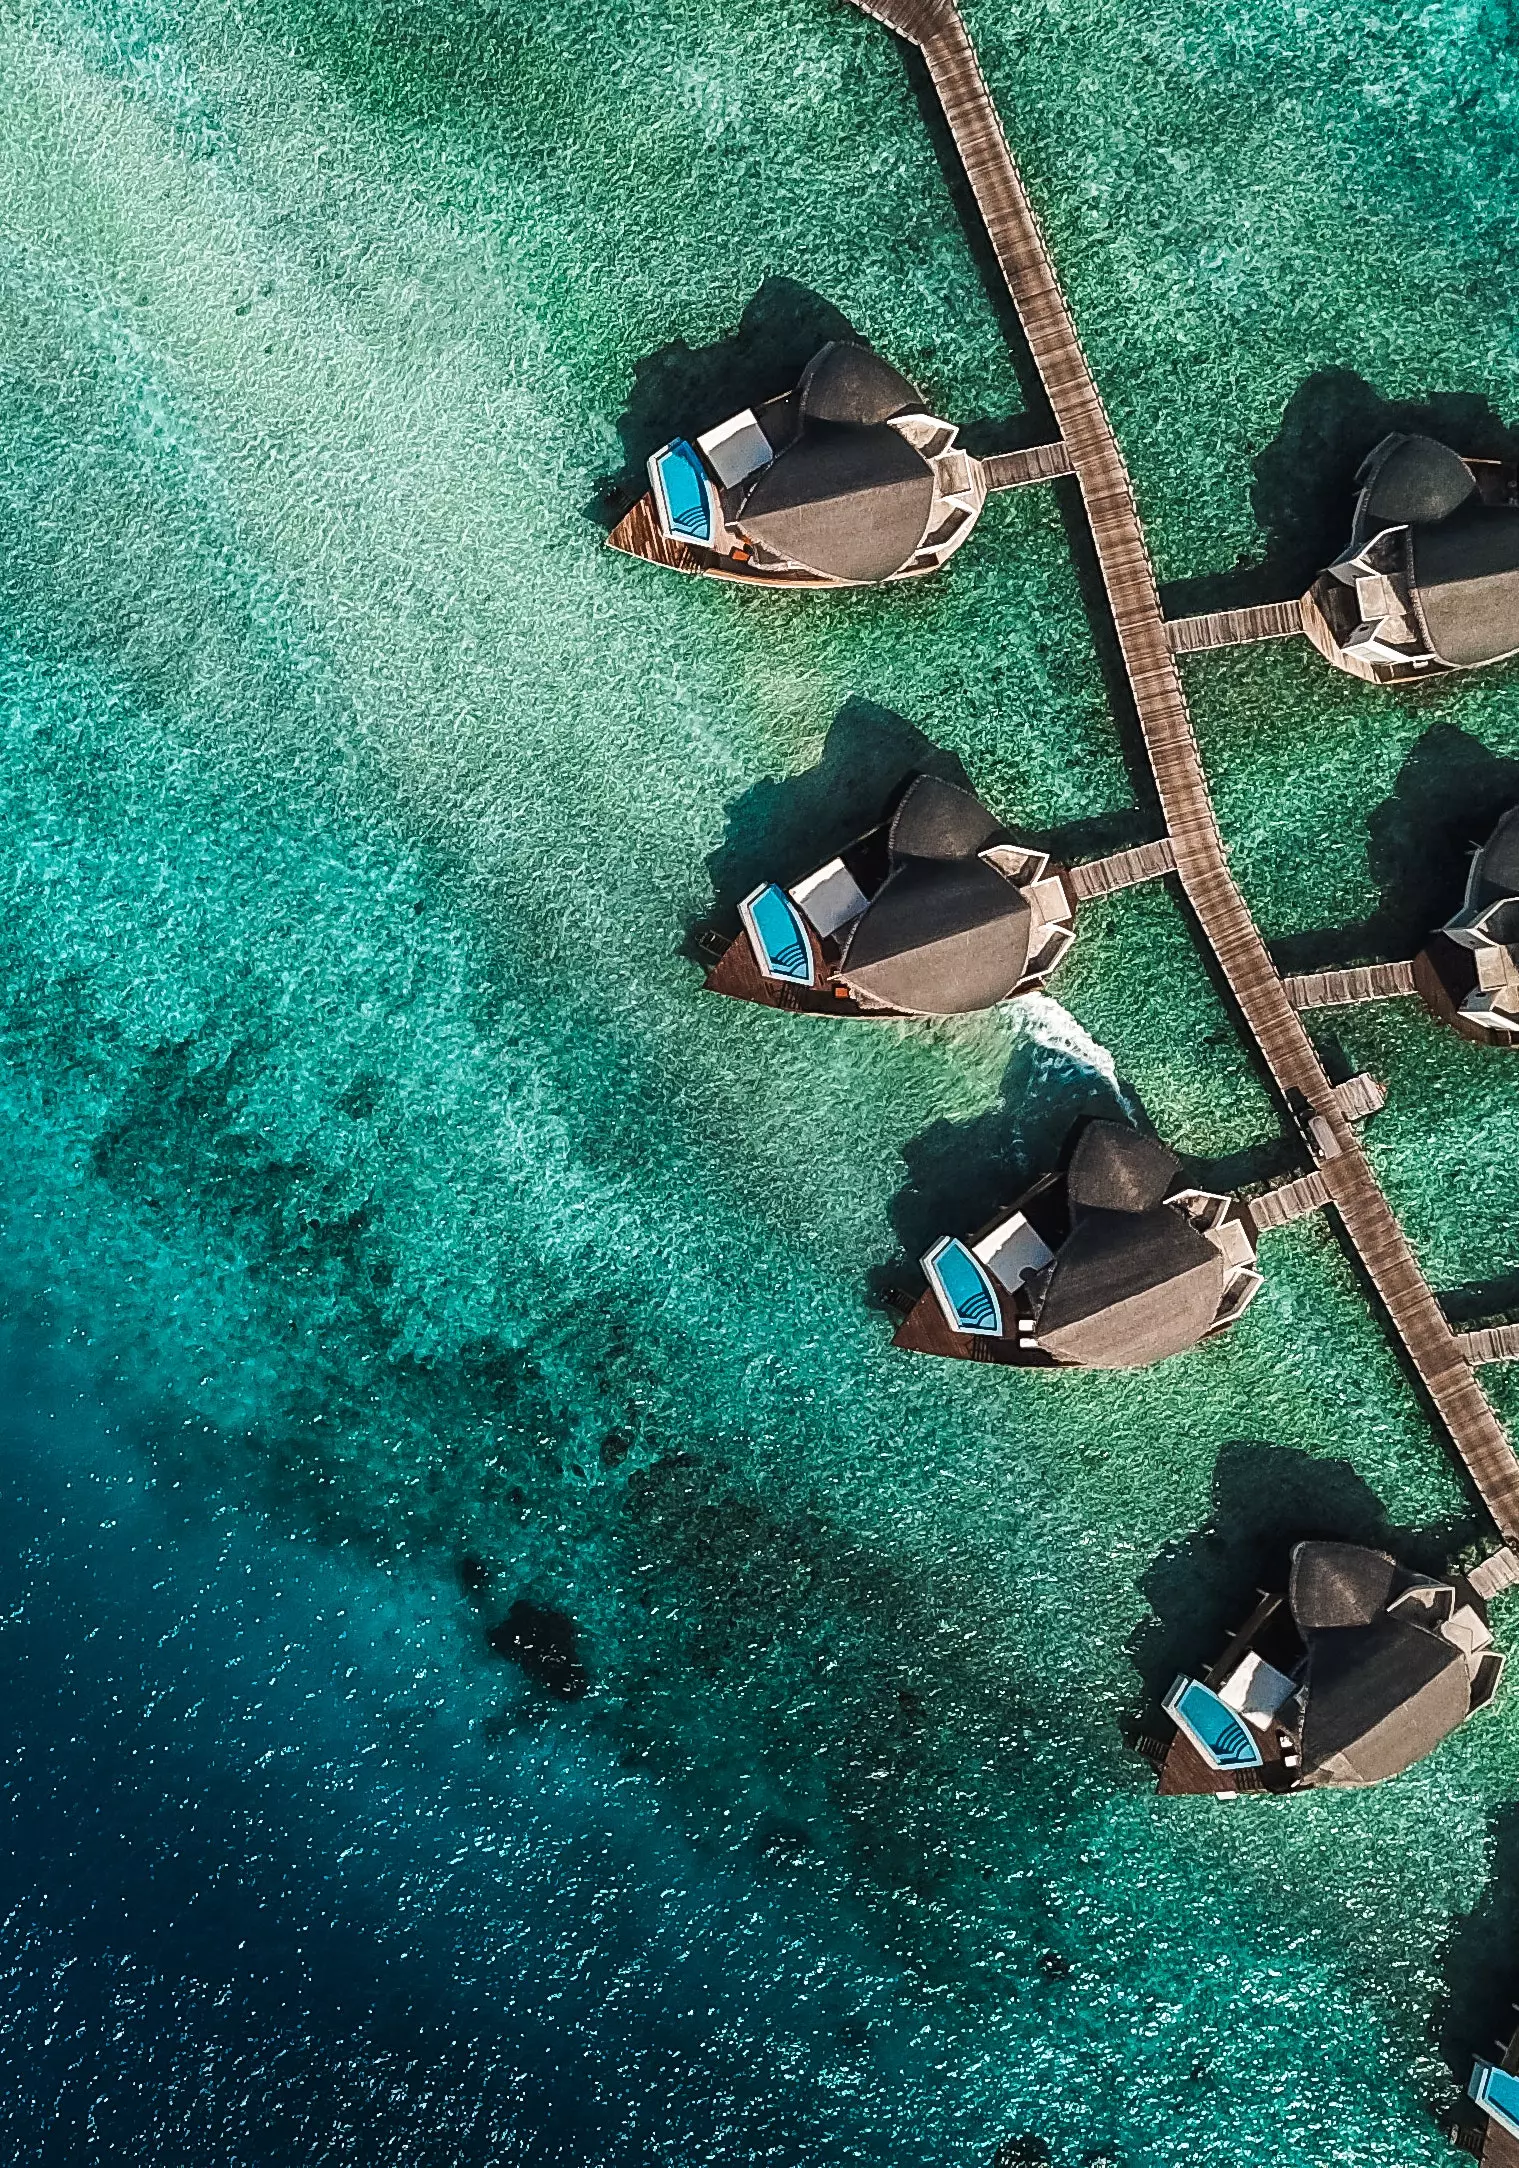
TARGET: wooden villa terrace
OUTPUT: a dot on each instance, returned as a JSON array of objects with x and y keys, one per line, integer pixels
[
  {"x": 1441, "y": 1359},
  {"x": 1493, "y": 2142}
]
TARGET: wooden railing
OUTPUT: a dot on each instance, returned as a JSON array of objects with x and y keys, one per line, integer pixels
[{"x": 1370, "y": 1224}]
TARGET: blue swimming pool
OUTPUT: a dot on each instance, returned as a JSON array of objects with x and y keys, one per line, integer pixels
[
  {"x": 964, "y": 1289},
  {"x": 680, "y": 493},
  {"x": 1213, "y": 1727},
  {"x": 1497, "y": 2091},
  {"x": 779, "y": 939}
]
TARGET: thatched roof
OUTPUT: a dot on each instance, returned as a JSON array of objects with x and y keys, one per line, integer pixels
[
  {"x": 848, "y": 383},
  {"x": 1378, "y": 1698},
  {"x": 846, "y": 495},
  {"x": 1405, "y": 479},
  {"x": 940, "y": 939},
  {"x": 946, "y": 933},
  {"x": 1495, "y": 875},
  {"x": 849, "y": 503},
  {"x": 1117, "y": 1169},
  {"x": 1129, "y": 1288},
  {"x": 934, "y": 819},
  {"x": 1338, "y": 1584},
  {"x": 1465, "y": 577},
  {"x": 1380, "y": 1690}
]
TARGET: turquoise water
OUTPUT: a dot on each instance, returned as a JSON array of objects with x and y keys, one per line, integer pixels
[{"x": 391, "y": 1231}]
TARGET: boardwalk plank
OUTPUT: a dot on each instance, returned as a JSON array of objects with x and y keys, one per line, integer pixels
[
  {"x": 1341, "y": 989},
  {"x": 1016, "y": 470},
  {"x": 1125, "y": 869},
  {"x": 1233, "y": 628}
]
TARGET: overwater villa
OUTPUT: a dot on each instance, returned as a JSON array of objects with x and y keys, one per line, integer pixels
[
  {"x": 1429, "y": 580},
  {"x": 1467, "y": 972},
  {"x": 1359, "y": 1670},
  {"x": 1495, "y": 2088},
  {"x": 935, "y": 911},
  {"x": 1112, "y": 1264},
  {"x": 843, "y": 482}
]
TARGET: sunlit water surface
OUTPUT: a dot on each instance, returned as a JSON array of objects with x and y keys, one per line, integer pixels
[{"x": 394, "y": 1236}]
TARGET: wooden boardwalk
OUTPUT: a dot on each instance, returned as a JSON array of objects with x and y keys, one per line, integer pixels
[
  {"x": 1370, "y": 1224},
  {"x": 1015, "y": 470},
  {"x": 1360, "y": 1097},
  {"x": 1490, "y": 1344},
  {"x": 1289, "y": 1201},
  {"x": 1341, "y": 989},
  {"x": 1495, "y": 1574},
  {"x": 1125, "y": 869},
  {"x": 1234, "y": 628}
]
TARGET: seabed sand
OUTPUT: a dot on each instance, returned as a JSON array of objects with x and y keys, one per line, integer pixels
[{"x": 366, "y": 1137}]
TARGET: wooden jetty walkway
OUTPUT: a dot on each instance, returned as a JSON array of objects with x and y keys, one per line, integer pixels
[
  {"x": 1015, "y": 470},
  {"x": 1371, "y": 1226},
  {"x": 1125, "y": 869},
  {"x": 1289, "y": 1201},
  {"x": 1346, "y": 989},
  {"x": 1490, "y": 1344},
  {"x": 1233, "y": 628}
]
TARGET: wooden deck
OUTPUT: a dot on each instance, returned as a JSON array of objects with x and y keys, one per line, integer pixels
[
  {"x": 926, "y": 1331},
  {"x": 737, "y": 974},
  {"x": 1341, "y": 989},
  {"x": 639, "y": 534},
  {"x": 1490, "y": 1344},
  {"x": 1289, "y": 1201},
  {"x": 1273, "y": 1023},
  {"x": 1499, "y": 2149},
  {"x": 1235, "y": 628},
  {"x": 1016, "y": 470},
  {"x": 1125, "y": 869},
  {"x": 1361, "y": 1096}
]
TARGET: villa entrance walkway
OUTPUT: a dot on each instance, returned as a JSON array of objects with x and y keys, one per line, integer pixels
[{"x": 1370, "y": 1224}]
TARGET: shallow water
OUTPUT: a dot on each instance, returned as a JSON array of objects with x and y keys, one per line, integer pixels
[{"x": 390, "y": 1231}]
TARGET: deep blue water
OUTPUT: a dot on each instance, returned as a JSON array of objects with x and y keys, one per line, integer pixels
[
  {"x": 275, "y": 1888},
  {"x": 382, "y": 1194}
]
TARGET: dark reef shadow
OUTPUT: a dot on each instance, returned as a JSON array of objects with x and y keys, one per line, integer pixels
[
  {"x": 544, "y": 1645},
  {"x": 1446, "y": 801},
  {"x": 1026, "y": 2150},
  {"x": 1304, "y": 488},
  {"x": 1265, "y": 1499},
  {"x": 680, "y": 390},
  {"x": 959, "y": 1174},
  {"x": 1481, "y": 1962},
  {"x": 784, "y": 826},
  {"x": 907, "y": 1711}
]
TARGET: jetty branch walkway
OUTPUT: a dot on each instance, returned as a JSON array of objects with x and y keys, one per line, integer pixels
[{"x": 1440, "y": 1360}]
